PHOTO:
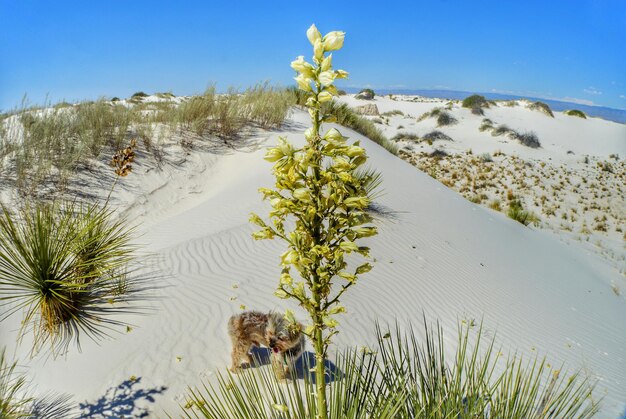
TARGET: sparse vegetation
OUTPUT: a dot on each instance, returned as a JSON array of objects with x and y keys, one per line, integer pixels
[
  {"x": 529, "y": 139},
  {"x": 541, "y": 107}
]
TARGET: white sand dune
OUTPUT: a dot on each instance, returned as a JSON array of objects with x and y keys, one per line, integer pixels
[{"x": 442, "y": 256}]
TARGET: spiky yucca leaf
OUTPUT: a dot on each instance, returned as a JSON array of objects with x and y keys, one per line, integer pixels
[
  {"x": 255, "y": 393},
  {"x": 63, "y": 265},
  {"x": 13, "y": 404}
]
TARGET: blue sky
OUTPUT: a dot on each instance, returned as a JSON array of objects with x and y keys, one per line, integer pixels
[{"x": 73, "y": 50}]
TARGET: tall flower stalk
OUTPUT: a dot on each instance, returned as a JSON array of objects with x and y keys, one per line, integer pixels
[{"x": 319, "y": 207}]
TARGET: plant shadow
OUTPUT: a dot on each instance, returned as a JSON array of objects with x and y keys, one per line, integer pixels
[
  {"x": 303, "y": 368},
  {"x": 121, "y": 401}
]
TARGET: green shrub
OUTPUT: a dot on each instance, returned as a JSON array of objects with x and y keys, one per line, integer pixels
[
  {"x": 576, "y": 112},
  {"x": 395, "y": 112},
  {"x": 475, "y": 101},
  {"x": 541, "y": 107},
  {"x": 139, "y": 95},
  {"x": 266, "y": 105},
  {"x": 367, "y": 94}
]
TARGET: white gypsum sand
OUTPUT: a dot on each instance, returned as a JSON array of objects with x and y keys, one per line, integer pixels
[{"x": 442, "y": 256}]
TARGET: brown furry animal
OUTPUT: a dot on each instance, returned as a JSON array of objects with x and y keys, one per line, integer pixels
[{"x": 271, "y": 330}]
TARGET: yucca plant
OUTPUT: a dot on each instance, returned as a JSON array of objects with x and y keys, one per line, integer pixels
[
  {"x": 13, "y": 403},
  {"x": 255, "y": 393},
  {"x": 405, "y": 377},
  {"x": 478, "y": 382},
  {"x": 64, "y": 265}
]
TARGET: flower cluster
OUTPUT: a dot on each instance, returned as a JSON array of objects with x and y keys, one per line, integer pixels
[
  {"x": 322, "y": 189},
  {"x": 123, "y": 158},
  {"x": 318, "y": 79}
]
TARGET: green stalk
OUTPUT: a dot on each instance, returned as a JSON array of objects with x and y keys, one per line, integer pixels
[{"x": 318, "y": 337}]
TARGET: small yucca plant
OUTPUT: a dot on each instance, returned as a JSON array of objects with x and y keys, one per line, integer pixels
[{"x": 63, "y": 265}]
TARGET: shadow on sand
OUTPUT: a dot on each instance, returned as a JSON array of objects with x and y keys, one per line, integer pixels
[
  {"x": 121, "y": 401},
  {"x": 302, "y": 367}
]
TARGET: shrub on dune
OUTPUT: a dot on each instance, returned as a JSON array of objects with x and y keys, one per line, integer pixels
[
  {"x": 541, "y": 107},
  {"x": 576, "y": 112},
  {"x": 444, "y": 119},
  {"x": 529, "y": 139},
  {"x": 436, "y": 135},
  {"x": 367, "y": 94},
  {"x": 475, "y": 101}
]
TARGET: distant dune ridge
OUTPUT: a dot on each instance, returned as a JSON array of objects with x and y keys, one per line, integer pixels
[
  {"x": 610, "y": 114},
  {"x": 540, "y": 290}
]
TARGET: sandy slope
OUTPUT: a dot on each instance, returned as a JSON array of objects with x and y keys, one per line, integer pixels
[{"x": 443, "y": 256}]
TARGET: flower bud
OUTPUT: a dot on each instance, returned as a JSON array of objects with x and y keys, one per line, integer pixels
[
  {"x": 326, "y": 77},
  {"x": 302, "y": 67},
  {"x": 341, "y": 74},
  {"x": 304, "y": 82},
  {"x": 318, "y": 51},
  {"x": 333, "y": 135},
  {"x": 313, "y": 34},
  {"x": 327, "y": 63},
  {"x": 324, "y": 97},
  {"x": 333, "y": 40}
]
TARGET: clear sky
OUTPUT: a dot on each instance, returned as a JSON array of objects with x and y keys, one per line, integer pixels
[{"x": 570, "y": 50}]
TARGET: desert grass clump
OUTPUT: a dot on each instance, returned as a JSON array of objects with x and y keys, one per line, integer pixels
[
  {"x": 445, "y": 118},
  {"x": 395, "y": 112},
  {"x": 267, "y": 105},
  {"x": 62, "y": 266},
  {"x": 406, "y": 136},
  {"x": 436, "y": 135},
  {"x": 486, "y": 125},
  {"x": 516, "y": 212},
  {"x": 350, "y": 119},
  {"x": 475, "y": 101},
  {"x": 541, "y": 107},
  {"x": 529, "y": 139},
  {"x": 575, "y": 112},
  {"x": 502, "y": 130}
]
